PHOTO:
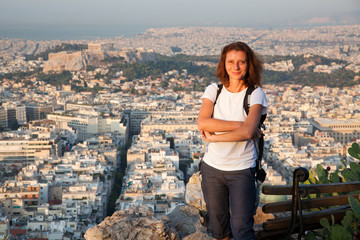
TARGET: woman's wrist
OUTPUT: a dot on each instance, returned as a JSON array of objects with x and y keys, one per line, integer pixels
[
  {"x": 211, "y": 137},
  {"x": 208, "y": 136}
]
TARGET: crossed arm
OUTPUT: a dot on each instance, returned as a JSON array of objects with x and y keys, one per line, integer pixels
[{"x": 235, "y": 131}]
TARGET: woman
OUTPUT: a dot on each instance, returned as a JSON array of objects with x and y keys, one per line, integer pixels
[{"x": 228, "y": 168}]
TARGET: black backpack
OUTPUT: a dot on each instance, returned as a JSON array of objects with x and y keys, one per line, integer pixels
[{"x": 259, "y": 144}]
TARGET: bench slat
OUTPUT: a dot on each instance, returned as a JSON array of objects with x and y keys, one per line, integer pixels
[
  {"x": 271, "y": 234},
  {"x": 308, "y": 219},
  {"x": 279, "y": 234},
  {"x": 308, "y": 203},
  {"x": 313, "y": 188},
  {"x": 277, "y": 228}
]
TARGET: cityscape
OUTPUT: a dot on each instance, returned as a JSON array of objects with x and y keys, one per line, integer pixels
[{"x": 81, "y": 137}]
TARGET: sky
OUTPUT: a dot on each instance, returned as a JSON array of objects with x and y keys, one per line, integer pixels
[{"x": 19, "y": 15}]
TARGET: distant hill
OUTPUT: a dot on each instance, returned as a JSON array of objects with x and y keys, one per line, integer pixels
[
  {"x": 95, "y": 55},
  {"x": 304, "y": 74},
  {"x": 196, "y": 65},
  {"x": 205, "y": 67}
]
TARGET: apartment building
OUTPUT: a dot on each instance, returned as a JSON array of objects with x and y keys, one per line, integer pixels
[
  {"x": 87, "y": 126},
  {"x": 342, "y": 131},
  {"x": 3, "y": 118},
  {"x": 37, "y": 112},
  {"x": 22, "y": 151}
]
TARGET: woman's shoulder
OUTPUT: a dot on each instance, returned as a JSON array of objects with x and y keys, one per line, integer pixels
[
  {"x": 258, "y": 97},
  {"x": 259, "y": 90},
  {"x": 213, "y": 85},
  {"x": 210, "y": 92}
]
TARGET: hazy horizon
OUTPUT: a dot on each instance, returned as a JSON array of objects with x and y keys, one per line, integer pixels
[{"x": 80, "y": 19}]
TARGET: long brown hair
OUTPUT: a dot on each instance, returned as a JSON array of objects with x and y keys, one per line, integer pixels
[{"x": 254, "y": 65}]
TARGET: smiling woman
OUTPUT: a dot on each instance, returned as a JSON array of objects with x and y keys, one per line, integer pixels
[
  {"x": 238, "y": 57},
  {"x": 235, "y": 65},
  {"x": 228, "y": 167}
]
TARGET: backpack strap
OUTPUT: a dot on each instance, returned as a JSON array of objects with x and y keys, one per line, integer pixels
[
  {"x": 259, "y": 143},
  {"x": 246, "y": 105},
  {"x": 219, "y": 88}
]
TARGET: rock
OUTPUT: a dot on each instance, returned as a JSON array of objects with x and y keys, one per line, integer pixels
[
  {"x": 140, "y": 223},
  {"x": 194, "y": 196},
  {"x": 135, "y": 223},
  {"x": 185, "y": 219},
  {"x": 65, "y": 61},
  {"x": 79, "y": 60},
  {"x": 198, "y": 236},
  {"x": 261, "y": 217}
]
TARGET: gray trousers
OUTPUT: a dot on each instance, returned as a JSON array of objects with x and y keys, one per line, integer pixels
[{"x": 230, "y": 198}]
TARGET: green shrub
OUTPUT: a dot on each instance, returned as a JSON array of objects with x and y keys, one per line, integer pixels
[{"x": 349, "y": 227}]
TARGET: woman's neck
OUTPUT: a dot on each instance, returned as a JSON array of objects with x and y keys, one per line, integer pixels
[{"x": 236, "y": 86}]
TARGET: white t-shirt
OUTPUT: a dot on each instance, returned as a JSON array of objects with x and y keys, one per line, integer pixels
[{"x": 231, "y": 156}]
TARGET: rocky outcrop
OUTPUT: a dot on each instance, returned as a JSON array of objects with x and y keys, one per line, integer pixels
[
  {"x": 261, "y": 217},
  {"x": 79, "y": 60},
  {"x": 194, "y": 196},
  {"x": 140, "y": 223},
  {"x": 65, "y": 61},
  {"x": 185, "y": 220},
  {"x": 135, "y": 223},
  {"x": 135, "y": 55},
  {"x": 72, "y": 61},
  {"x": 182, "y": 223}
]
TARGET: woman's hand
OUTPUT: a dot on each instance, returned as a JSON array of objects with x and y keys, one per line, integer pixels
[
  {"x": 207, "y": 123},
  {"x": 210, "y": 136},
  {"x": 258, "y": 133},
  {"x": 207, "y": 136}
]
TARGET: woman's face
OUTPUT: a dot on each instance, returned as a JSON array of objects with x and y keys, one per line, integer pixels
[{"x": 236, "y": 65}]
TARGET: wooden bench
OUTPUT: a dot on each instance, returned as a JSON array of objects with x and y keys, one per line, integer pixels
[{"x": 304, "y": 214}]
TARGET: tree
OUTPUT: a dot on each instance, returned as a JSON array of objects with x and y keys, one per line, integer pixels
[{"x": 176, "y": 49}]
